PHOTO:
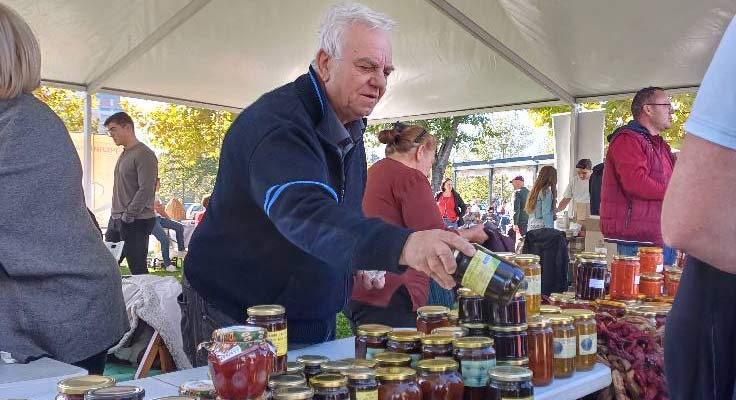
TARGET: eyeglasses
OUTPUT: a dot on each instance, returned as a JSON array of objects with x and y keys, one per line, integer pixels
[
  {"x": 669, "y": 105},
  {"x": 398, "y": 126}
]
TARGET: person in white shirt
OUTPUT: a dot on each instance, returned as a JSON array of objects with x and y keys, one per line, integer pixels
[{"x": 578, "y": 190}]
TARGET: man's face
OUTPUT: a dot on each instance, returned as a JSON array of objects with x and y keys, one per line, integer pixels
[
  {"x": 661, "y": 110},
  {"x": 120, "y": 133},
  {"x": 357, "y": 80},
  {"x": 517, "y": 184},
  {"x": 583, "y": 173}
]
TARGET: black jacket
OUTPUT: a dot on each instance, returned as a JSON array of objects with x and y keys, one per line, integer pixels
[
  {"x": 460, "y": 206},
  {"x": 596, "y": 182},
  {"x": 284, "y": 224},
  {"x": 551, "y": 246}
]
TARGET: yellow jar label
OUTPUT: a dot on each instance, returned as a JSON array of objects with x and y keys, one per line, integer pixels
[
  {"x": 367, "y": 395},
  {"x": 588, "y": 344},
  {"x": 565, "y": 347},
  {"x": 279, "y": 339},
  {"x": 480, "y": 271}
]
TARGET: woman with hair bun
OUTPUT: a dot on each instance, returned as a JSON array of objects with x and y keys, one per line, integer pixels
[{"x": 398, "y": 192}]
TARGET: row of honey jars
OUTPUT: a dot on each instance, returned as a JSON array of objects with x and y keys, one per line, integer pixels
[{"x": 475, "y": 310}]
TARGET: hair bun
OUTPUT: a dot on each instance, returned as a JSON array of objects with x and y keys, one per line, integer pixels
[{"x": 388, "y": 136}]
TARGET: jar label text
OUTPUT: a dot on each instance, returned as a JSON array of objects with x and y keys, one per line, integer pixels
[
  {"x": 565, "y": 347},
  {"x": 588, "y": 344},
  {"x": 279, "y": 339},
  {"x": 596, "y": 284},
  {"x": 480, "y": 270}
]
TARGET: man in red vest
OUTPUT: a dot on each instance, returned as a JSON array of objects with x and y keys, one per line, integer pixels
[{"x": 637, "y": 170}]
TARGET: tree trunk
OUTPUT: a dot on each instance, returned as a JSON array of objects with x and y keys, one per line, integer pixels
[{"x": 442, "y": 157}]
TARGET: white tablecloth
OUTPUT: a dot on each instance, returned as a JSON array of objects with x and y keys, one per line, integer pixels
[{"x": 35, "y": 380}]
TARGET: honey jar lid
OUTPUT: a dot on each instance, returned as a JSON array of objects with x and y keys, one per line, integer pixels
[
  {"x": 548, "y": 309},
  {"x": 508, "y": 256},
  {"x": 610, "y": 303},
  {"x": 391, "y": 358},
  {"x": 625, "y": 258},
  {"x": 578, "y": 314},
  {"x": 266, "y": 310},
  {"x": 589, "y": 255},
  {"x": 473, "y": 342},
  {"x": 467, "y": 292},
  {"x": 374, "y": 330},
  {"x": 650, "y": 250},
  {"x": 511, "y": 328},
  {"x": 200, "y": 388},
  {"x": 455, "y": 331},
  {"x": 293, "y": 393},
  {"x": 507, "y": 373},
  {"x": 239, "y": 333},
  {"x": 428, "y": 311},
  {"x": 474, "y": 325},
  {"x": 674, "y": 277},
  {"x": 286, "y": 380},
  {"x": 672, "y": 270},
  {"x": 294, "y": 367},
  {"x": 328, "y": 381},
  {"x": 537, "y": 321},
  {"x": 516, "y": 362},
  {"x": 395, "y": 374},
  {"x": 311, "y": 360},
  {"x": 359, "y": 373},
  {"x": 652, "y": 276},
  {"x": 360, "y": 363},
  {"x": 559, "y": 319},
  {"x": 438, "y": 339},
  {"x": 639, "y": 312},
  {"x": 81, "y": 384},
  {"x": 405, "y": 336},
  {"x": 437, "y": 365},
  {"x": 526, "y": 259},
  {"x": 117, "y": 393},
  {"x": 453, "y": 314},
  {"x": 335, "y": 367}
]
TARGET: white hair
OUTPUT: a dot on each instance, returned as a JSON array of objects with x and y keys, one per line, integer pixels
[
  {"x": 339, "y": 18},
  {"x": 20, "y": 69}
]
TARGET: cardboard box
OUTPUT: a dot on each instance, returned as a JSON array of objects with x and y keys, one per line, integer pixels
[
  {"x": 581, "y": 212},
  {"x": 592, "y": 224}
]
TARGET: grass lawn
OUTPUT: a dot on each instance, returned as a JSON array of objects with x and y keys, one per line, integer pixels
[{"x": 343, "y": 325}]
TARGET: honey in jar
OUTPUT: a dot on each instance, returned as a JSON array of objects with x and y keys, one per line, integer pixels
[
  {"x": 476, "y": 357},
  {"x": 362, "y": 384},
  {"x": 529, "y": 263},
  {"x": 540, "y": 349},
  {"x": 431, "y": 317},
  {"x": 436, "y": 345},
  {"x": 510, "y": 342},
  {"x": 587, "y": 338},
  {"x": 371, "y": 340},
  {"x": 510, "y": 383},
  {"x": 512, "y": 313},
  {"x": 330, "y": 387},
  {"x": 472, "y": 307},
  {"x": 565, "y": 345},
  {"x": 273, "y": 319},
  {"x": 440, "y": 380},
  {"x": 407, "y": 342},
  {"x": 398, "y": 384}
]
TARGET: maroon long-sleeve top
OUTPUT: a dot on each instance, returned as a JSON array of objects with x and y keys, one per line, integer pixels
[{"x": 402, "y": 196}]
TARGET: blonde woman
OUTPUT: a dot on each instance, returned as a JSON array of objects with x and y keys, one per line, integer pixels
[
  {"x": 542, "y": 199},
  {"x": 60, "y": 288}
]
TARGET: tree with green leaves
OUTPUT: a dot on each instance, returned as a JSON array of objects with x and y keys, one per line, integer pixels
[{"x": 68, "y": 105}]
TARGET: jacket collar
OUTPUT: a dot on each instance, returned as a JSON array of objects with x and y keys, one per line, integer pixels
[
  {"x": 634, "y": 126},
  {"x": 314, "y": 98}
]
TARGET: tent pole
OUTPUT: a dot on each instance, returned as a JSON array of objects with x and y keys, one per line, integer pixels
[
  {"x": 574, "y": 132},
  {"x": 490, "y": 186},
  {"x": 87, "y": 152}
]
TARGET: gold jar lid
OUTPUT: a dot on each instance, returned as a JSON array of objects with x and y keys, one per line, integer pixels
[
  {"x": 328, "y": 381},
  {"x": 474, "y": 325},
  {"x": 360, "y": 363},
  {"x": 239, "y": 333},
  {"x": 466, "y": 292},
  {"x": 559, "y": 319},
  {"x": 625, "y": 258},
  {"x": 395, "y": 374},
  {"x": 569, "y": 294},
  {"x": 199, "y": 388},
  {"x": 581, "y": 302},
  {"x": 438, "y": 339},
  {"x": 578, "y": 314},
  {"x": 286, "y": 380},
  {"x": 548, "y": 309},
  {"x": 650, "y": 250},
  {"x": 652, "y": 276},
  {"x": 81, "y": 384},
  {"x": 591, "y": 256},
  {"x": 674, "y": 277},
  {"x": 293, "y": 367},
  {"x": 512, "y": 328},
  {"x": 453, "y": 314},
  {"x": 473, "y": 342},
  {"x": 311, "y": 360},
  {"x": 454, "y": 331},
  {"x": 537, "y": 321},
  {"x": 293, "y": 393},
  {"x": 405, "y": 336},
  {"x": 391, "y": 358},
  {"x": 525, "y": 260},
  {"x": 638, "y": 312},
  {"x": 516, "y": 362},
  {"x": 432, "y": 311},
  {"x": 506, "y": 373},
  {"x": 437, "y": 365},
  {"x": 508, "y": 256},
  {"x": 610, "y": 303},
  {"x": 672, "y": 270},
  {"x": 267, "y": 310},
  {"x": 336, "y": 367},
  {"x": 374, "y": 330},
  {"x": 359, "y": 373}
]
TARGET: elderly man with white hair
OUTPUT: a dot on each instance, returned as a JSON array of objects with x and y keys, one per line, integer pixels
[{"x": 284, "y": 224}]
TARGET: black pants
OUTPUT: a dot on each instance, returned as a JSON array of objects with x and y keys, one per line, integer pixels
[
  {"x": 95, "y": 365},
  {"x": 135, "y": 235},
  {"x": 700, "y": 341},
  {"x": 398, "y": 314},
  {"x": 522, "y": 229}
]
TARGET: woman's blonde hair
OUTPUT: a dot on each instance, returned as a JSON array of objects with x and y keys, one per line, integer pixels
[
  {"x": 20, "y": 56},
  {"x": 547, "y": 178},
  {"x": 402, "y": 138}
]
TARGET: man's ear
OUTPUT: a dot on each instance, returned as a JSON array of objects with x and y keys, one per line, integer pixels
[{"x": 323, "y": 65}]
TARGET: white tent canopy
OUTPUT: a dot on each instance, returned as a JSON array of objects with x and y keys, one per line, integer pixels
[{"x": 452, "y": 56}]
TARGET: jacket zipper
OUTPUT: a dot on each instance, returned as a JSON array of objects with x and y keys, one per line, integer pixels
[{"x": 628, "y": 216}]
